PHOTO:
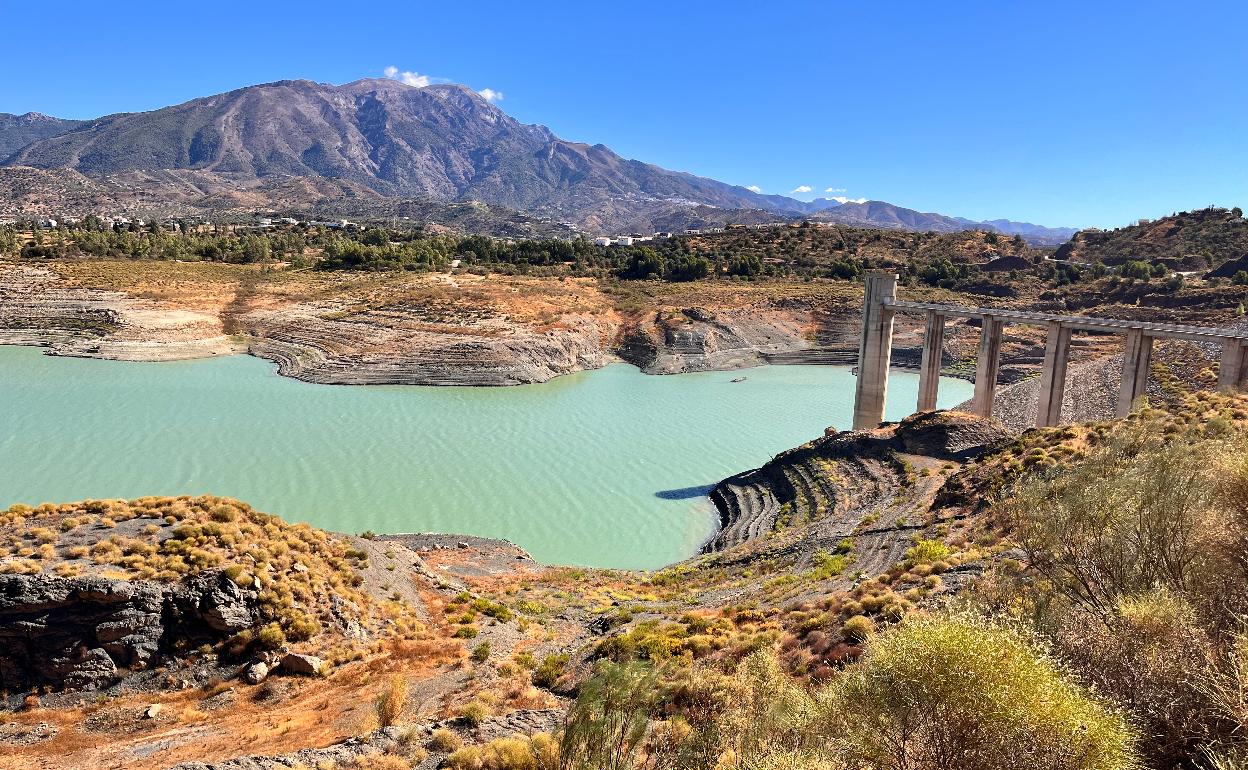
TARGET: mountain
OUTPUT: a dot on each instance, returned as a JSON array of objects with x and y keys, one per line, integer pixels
[
  {"x": 442, "y": 142},
  {"x": 890, "y": 217},
  {"x": 17, "y": 131},
  {"x": 379, "y": 138}
]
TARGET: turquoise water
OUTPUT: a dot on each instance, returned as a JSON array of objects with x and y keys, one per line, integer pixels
[{"x": 606, "y": 468}]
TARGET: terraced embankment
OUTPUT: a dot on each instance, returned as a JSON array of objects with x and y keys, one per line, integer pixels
[
  {"x": 396, "y": 345},
  {"x": 841, "y": 483},
  {"x": 39, "y": 308}
]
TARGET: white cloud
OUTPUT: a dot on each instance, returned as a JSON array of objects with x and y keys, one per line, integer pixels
[
  {"x": 801, "y": 188},
  {"x": 414, "y": 79},
  {"x": 843, "y": 199},
  {"x": 835, "y": 189},
  {"x": 490, "y": 95},
  {"x": 753, "y": 188}
]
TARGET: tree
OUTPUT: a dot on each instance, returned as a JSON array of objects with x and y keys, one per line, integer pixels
[
  {"x": 1136, "y": 269},
  {"x": 688, "y": 267},
  {"x": 644, "y": 262},
  {"x": 746, "y": 265}
]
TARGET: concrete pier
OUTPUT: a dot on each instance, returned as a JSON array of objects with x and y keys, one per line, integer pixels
[
  {"x": 875, "y": 350},
  {"x": 1053, "y": 375},
  {"x": 1136, "y": 360},
  {"x": 929, "y": 369},
  {"x": 987, "y": 365},
  {"x": 1231, "y": 371}
]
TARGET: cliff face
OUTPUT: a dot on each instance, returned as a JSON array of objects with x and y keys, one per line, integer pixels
[{"x": 85, "y": 632}]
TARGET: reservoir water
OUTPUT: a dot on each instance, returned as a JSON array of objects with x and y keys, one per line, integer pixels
[{"x": 607, "y": 468}]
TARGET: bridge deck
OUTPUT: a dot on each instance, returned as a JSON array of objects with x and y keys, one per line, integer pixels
[{"x": 1087, "y": 323}]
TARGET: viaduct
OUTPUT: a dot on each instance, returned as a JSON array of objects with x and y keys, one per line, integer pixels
[{"x": 875, "y": 350}]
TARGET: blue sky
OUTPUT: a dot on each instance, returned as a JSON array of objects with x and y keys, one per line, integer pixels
[{"x": 1062, "y": 113}]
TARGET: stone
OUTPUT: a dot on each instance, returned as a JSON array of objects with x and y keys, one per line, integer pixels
[
  {"x": 305, "y": 665},
  {"x": 256, "y": 673},
  {"x": 80, "y": 632},
  {"x": 225, "y": 607},
  {"x": 152, "y": 711},
  {"x": 89, "y": 670}
]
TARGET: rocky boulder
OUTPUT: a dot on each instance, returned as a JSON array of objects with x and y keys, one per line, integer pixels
[
  {"x": 950, "y": 435},
  {"x": 85, "y": 632}
]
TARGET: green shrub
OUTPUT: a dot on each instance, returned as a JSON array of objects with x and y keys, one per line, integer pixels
[
  {"x": 390, "y": 703},
  {"x": 444, "y": 741},
  {"x": 551, "y": 669},
  {"x": 925, "y": 551},
  {"x": 271, "y": 637},
  {"x": 857, "y": 629},
  {"x": 828, "y": 565},
  {"x": 481, "y": 652},
  {"x": 474, "y": 713},
  {"x": 936, "y": 693}
]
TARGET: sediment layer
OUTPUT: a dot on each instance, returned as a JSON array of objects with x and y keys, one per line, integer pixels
[{"x": 838, "y": 480}]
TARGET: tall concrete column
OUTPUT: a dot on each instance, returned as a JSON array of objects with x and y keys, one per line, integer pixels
[
  {"x": 933, "y": 352},
  {"x": 874, "y": 350},
  {"x": 1231, "y": 371},
  {"x": 987, "y": 366},
  {"x": 1053, "y": 376},
  {"x": 1136, "y": 360}
]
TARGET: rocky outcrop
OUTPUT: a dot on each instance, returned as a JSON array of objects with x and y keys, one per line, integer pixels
[
  {"x": 843, "y": 474},
  {"x": 85, "y": 632},
  {"x": 401, "y": 346},
  {"x": 698, "y": 339}
]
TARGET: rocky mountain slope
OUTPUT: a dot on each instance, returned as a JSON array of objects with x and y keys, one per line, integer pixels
[
  {"x": 17, "y": 131},
  {"x": 887, "y": 216},
  {"x": 442, "y": 142},
  {"x": 378, "y": 138}
]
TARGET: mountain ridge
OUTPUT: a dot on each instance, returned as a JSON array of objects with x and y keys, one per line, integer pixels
[{"x": 441, "y": 142}]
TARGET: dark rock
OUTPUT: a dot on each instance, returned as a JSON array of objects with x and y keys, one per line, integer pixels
[
  {"x": 83, "y": 632},
  {"x": 950, "y": 435}
]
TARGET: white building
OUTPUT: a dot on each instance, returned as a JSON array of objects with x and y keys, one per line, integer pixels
[{"x": 602, "y": 241}]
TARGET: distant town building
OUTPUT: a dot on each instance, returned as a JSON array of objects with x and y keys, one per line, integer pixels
[{"x": 602, "y": 241}]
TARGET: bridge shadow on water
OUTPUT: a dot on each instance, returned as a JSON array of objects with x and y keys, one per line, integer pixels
[{"x": 684, "y": 493}]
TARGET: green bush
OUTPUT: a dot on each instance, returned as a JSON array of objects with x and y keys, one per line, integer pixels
[
  {"x": 481, "y": 652},
  {"x": 962, "y": 692},
  {"x": 547, "y": 674},
  {"x": 925, "y": 551}
]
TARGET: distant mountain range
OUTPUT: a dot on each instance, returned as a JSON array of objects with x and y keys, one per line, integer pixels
[{"x": 378, "y": 139}]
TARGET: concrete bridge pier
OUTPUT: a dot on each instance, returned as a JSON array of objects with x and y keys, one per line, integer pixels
[
  {"x": 1231, "y": 372},
  {"x": 1136, "y": 361},
  {"x": 987, "y": 366},
  {"x": 877, "y": 342},
  {"x": 1053, "y": 375},
  {"x": 929, "y": 368},
  {"x": 874, "y": 350}
]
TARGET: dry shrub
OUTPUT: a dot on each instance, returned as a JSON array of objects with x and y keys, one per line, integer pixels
[
  {"x": 1137, "y": 561},
  {"x": 445, "y": 741},
  {"x": 391, "y": 702}
]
